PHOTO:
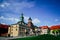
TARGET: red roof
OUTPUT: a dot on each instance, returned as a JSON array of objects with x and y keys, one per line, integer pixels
[
  {"x": 44, "y": 27},
  {"x": 55, "y": 27},
  {"x": 4, "y": 26}
]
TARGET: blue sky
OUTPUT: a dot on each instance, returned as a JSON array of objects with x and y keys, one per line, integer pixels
[{"x": 42, "y": 12}]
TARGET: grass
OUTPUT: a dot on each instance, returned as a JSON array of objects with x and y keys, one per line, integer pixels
[{"x": 41, "y": 37}]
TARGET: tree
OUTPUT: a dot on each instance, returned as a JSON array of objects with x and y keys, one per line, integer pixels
[{"x": 55, "y": 32}]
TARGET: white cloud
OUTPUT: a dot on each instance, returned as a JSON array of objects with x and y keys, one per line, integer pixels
[
  {"x": 2, "y": 5},
  {"x": 3, "y": 23},
  {"x": 5, "y": 4},
  {"x": 26, "y": 18},
  {"x": 9, "y": 19},
  {"x": 26, "y": 4},
  {"x": 16, "y": 7},
  {"x": 36, "y": 21},
  {"x": 1, "y": 17}
]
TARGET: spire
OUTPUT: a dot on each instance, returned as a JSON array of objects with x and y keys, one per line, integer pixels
[{"x": 22, "y": 17}]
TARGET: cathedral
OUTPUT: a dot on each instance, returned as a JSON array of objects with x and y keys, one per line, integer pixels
[{"x": 21, "y": 28}]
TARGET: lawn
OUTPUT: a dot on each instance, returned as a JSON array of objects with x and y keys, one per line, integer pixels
[{"x": 41, "y": 37}]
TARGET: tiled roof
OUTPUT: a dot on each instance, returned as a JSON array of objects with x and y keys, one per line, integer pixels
[
  {"x": 44, "y": 27},
  {"x": 55, "y": 27}
]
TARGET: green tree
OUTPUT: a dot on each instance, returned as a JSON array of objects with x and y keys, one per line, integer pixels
[{"x": 55, "y": 32}]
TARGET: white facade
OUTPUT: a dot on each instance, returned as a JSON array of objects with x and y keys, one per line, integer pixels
[
  {"x": 44, "y": 31},
  {"x": 13, "y": 30}
]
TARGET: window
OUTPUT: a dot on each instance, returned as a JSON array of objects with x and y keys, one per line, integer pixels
[
  {"x": 16, "y": 29},
  {"x": 11, "y": 29},
  {"x": 11, "y": 32}
]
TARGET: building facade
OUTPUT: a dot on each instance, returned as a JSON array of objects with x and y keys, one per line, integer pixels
[
  {"x": 13, "y": 30},
  {"x": 4, "y": 30},
  {"x": 21, "y": 28},
  {"x": 55, "y": 30},
  {"x": 27, "y": 29},
  {"x": 44, "y": 30}
]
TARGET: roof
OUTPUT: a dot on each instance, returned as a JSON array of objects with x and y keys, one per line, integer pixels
[
  {"x": 44, "y": 27},
  {"x": 55, "y": 27},
  {"x": 4, "y": 26}
]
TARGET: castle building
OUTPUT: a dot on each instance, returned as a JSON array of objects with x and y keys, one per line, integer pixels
[
  {"x": 26, "y": 29},
  {"x": 30, "y": 24},
  {"x": 21, "y": 28}
]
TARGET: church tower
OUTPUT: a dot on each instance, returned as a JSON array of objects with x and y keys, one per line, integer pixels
[
  {"x": 21, "y": 22},
  {"x": 30, "y": 20},
  {"x": 22, "y": 18},
  {"x": 30, "y": 24}
]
